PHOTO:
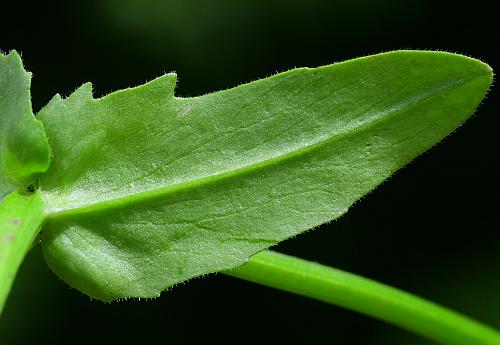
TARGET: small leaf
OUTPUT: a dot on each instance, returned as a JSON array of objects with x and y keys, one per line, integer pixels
[
  {"x": 147, "y": 189},
  {"x": 24, "y": 150}
]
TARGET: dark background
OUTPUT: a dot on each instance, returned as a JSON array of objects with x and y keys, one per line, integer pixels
[{"x": 432, "y": 229}]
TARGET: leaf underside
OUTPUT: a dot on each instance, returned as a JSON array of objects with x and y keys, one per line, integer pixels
[{"x": 146, "y": 190}]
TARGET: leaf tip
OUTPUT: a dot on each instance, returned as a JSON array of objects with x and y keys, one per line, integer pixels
[
  {"x": 83, "y": 92},
  {"x": 13, "y": 54},
  {"x": 14, "y": 61},
  {"x": 164, "y": 84}
]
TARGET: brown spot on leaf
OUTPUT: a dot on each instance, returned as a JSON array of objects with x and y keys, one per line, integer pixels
[{"x": 8, "y": 238}]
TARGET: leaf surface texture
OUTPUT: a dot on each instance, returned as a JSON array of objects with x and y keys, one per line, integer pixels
[{"x": 147, "y": 190}]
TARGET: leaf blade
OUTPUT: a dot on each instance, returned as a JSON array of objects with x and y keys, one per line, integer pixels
[{"x": 286, "y": 153}]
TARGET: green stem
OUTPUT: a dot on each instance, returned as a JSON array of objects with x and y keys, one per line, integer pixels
[
  {"x": 365, "y": 296},
  {"x": 21, "y": 217}
]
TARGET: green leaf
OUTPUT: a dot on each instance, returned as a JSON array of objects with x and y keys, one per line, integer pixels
[
  {"x": 147, "y": 189},
  {"x": 24, "y": 150},
  {"x": 21, "y": 217}
]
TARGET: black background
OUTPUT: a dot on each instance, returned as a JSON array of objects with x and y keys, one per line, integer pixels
[{"x": 432, "y": 229}]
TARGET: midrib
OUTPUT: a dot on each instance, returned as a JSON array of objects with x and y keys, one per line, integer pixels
[{"x": 121, "y": 201}]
